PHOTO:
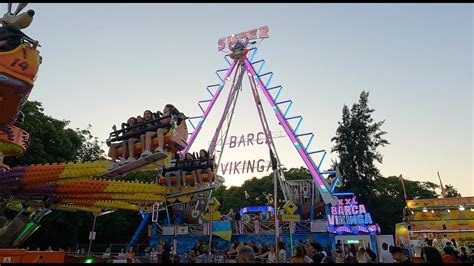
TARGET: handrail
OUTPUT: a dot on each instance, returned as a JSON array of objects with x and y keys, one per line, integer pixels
[{"x": 124, "y": 130}]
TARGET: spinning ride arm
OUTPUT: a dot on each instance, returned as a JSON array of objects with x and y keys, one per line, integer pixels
[{"x": 19, "y": 63}]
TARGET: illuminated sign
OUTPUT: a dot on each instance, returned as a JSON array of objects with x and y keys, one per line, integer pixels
[
  {"x": 348, "y": 211},
  {"x": 290, "y": 217},
  {"x": 259, "y": 139},
  {"x": 420, "y": 203},
  {"x": 253, "y": 34},
  {"x": 258, "y": 209},
  {"x": 245, "y": 166},
  {"x": 290, "y": 207},
  {"x": 351, "y": 241}
]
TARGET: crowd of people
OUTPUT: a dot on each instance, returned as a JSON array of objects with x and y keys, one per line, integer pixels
[
  {"x": 143, "y": 129},
  {"x": 309, "y": 252},
  {"x": 445, "y": 251},
  {"x": 313, "y": 253}
]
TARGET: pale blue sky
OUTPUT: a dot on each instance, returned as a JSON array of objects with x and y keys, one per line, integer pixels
[{"x": 105, "y": 62}]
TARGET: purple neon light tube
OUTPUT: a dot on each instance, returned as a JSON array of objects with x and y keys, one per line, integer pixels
[
  {"x": 289, "y": 132},
  {"x": 208, "y": 109}
]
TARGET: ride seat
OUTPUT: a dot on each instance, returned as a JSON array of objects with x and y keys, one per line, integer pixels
[
  {"x": 206, "y": 177},
  {"x": 175, "y": 140}
]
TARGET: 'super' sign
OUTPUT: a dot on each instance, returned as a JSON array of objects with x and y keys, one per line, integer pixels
[{"x": 254, "y": 34}]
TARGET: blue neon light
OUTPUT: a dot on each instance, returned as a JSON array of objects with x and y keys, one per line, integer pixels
[
  {"x": 288, "y": 109},
  {"x": 217, "y": 73},
  {"x": 343, "y": 194},
  {"x": 212, "y": 95},
  {"x": 298, "y": 126},
  {"x": 334, "y": 184},
  {"x": 253, "y": 55},
  {"x": 254, "y": 209},
  {"x": 278, "y": 94},
  {"x": 261, "y": 66},
  {"x": 309, "y": 142},
  {"x": 225, "y": 57},
  {"x": 311, "y": 152},
  {"x": 269, "y": 79},
  {"x": 322, "y": 159}
]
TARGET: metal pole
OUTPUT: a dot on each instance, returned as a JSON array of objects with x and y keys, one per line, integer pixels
[
  {"x": 276, "y": 211},
  {"x": 92, "y": 235},
  {"x": 291, "y": 238},
  {"x": 211, "y": 202},
  {"x": 228, "y": 104}
]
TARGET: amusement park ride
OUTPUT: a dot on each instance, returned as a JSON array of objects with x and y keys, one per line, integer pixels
[{"x": 36, "y": 190}]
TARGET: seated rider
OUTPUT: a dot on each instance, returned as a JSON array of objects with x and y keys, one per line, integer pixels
[
  {"x": 132, "y": 139},
  {"x": 139, "y": 121},
  {"x": 189, "y": 168},
  {"x": 171, "y": 118},
  {"x": 204, "y": 166},
  {"x": 148, "y": 116},
  {"x": 114, "y": 146},
  {"x": 173, "y": 170}
]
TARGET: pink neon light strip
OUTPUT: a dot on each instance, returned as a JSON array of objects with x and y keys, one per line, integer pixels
[
  {"x": 209, "y": 107},
  {"x": 299, "y": 147}
]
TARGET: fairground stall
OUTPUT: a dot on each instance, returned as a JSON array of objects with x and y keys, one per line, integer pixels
[{"x": 429, "y": 219}]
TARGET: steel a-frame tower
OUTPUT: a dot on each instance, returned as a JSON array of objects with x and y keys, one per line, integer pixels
[{"x": 261, "y": 82}]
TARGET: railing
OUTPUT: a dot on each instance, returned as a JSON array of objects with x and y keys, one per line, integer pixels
[
  {"x": 195, "y": 229},
  {"x": 263, "y": 228},
  {"x": 255, "y": 227}
]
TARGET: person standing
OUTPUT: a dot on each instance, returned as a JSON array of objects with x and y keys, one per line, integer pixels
[
  {"x": 270, "y": 255},
  {"x": 450, "y": 256},
  {"x": 299, "y": 255},
  {"x": 246, "y": 255},
  {"x": 281, "y": 252},
  {"x": 362, "y": 256},
  {"x": 463, "y": 254},
  {"x": 385, "y": 256},
  {"x": 318, "y": 255},
  {"x": 444, "y": 241},
  {"x": 397, "y": 254},
  {"x": 351, "y": 258},
  {"x": 371, "y": 254},
  {"x": 153, "y": 256},
  {"x": 431, "y": 255},
  {"x": 166, "y": 252},
  {"x": 455, "y": 245},
  {"x": 339, "y": 256}
]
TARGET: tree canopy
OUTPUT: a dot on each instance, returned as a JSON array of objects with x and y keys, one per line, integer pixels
[
  {"x": 52, "y": 141},
  {"x": 356, "y": 142}
]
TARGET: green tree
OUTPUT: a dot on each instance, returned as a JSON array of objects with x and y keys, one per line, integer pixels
[
  {"x": 356, "y": 142},
  {"x": 259, "y": 191},
  {"x": 90, "y": 149},
  {"x": 451, "y": 192},
  {"x": 51, "y": 140},
  {"x": 387, "y": 201}
]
